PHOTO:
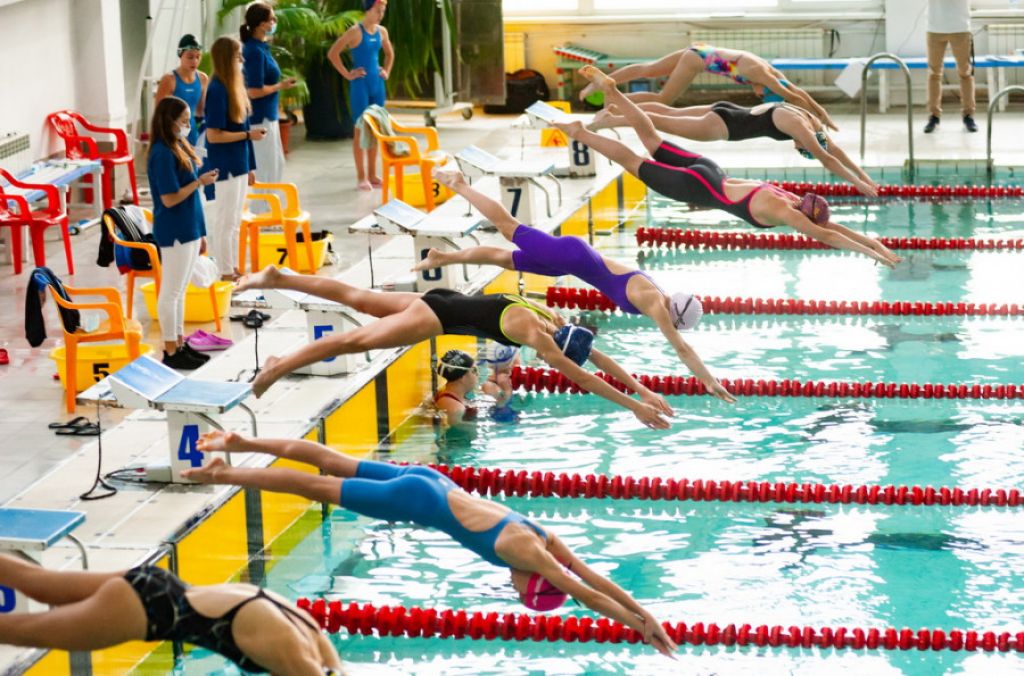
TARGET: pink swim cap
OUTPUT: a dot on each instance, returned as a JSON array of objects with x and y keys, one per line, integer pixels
[
  {"x": 815, "y": 208},
  {"x": 541, "y": 595}
]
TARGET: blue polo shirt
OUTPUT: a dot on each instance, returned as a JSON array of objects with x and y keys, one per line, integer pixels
[
  {"x": 232, "y": 159},
  {"x": 261, "y": 69},
  {"x": 183, "y": 222}
]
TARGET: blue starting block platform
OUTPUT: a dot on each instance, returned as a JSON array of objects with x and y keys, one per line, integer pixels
[{"x": 517, "y": 180}]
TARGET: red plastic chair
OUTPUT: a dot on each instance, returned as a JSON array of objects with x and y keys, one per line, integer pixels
[
  {"x": 37, "y": 221},
  {"x": 77, "y": 147}
]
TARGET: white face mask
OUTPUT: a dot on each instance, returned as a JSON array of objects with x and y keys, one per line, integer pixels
[{"x": 183, "y": 132}]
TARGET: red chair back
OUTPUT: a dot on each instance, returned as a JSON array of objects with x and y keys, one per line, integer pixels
[{"x": 63, "y": 123}]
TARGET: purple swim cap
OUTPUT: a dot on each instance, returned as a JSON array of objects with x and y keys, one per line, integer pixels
[
  {"x": 541, "y": 595},
  {"x": 815, "y": 208}
]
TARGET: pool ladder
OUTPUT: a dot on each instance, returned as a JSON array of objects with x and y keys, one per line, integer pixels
[
  {"x": 910, "y": 103},
  {"x": 1005, "y": 91}
]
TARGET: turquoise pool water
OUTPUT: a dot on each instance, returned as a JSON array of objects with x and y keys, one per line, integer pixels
[{"x": 817, "y": 565}]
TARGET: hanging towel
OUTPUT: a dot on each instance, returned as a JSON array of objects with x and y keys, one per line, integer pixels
[
  {"x": 35, "y": 296},
  {"x": 383, "y": 118}
]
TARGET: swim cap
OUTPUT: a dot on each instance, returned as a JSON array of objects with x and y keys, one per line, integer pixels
[
  {"x": 454, "y": 364},
  {"x": 500, "y": 356},
  {"x": 188, "y": 43},
  {"x": 822, "y": 141},
  {"x": 686, "y": 310},
  {"x": 575, "y": 343},
  {"x": 770, "y": 96},
  {"x": 368, "y": 5},
  {"x": 815, "y": 208},
  {"x": 541, "y": 595}
]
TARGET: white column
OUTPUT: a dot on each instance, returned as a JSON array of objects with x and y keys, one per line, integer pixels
[{"x": 96, "y": 53}]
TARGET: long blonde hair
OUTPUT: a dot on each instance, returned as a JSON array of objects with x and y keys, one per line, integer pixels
[{"x": 225, "y": 53}]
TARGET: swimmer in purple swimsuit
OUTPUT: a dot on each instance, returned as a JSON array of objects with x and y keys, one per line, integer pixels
[
  {"x": 741, "y": 67},
  {"x": 540, "y": 253},
  {"x": 694, "y": 179}
]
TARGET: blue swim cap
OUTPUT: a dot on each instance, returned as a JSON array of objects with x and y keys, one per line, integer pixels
[
  {"x": 822, "y": 141},
  {"x": 575, "y": 343},
  {"x": 770, "y": 96},
  {"x": 499, "y": 356},
  {"x": 368, "y": 5}
]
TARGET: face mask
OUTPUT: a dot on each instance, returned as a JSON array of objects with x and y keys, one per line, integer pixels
[
  {"x": 183, "y": 132},
  {"x": 273, "y": 29}
]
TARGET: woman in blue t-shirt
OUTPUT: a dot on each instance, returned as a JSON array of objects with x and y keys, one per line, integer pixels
[
  {"x": 229, "y": 149},
  {"x": 186, "y": 82},
  {"x": 178, "y": 224},
  {"x": 262, "y": 84}
]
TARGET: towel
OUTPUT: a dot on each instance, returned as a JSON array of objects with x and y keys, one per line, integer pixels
[{"x": 383, "y": 118}]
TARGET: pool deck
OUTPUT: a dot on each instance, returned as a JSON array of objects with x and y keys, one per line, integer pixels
[{"x": 47, "y": 471}]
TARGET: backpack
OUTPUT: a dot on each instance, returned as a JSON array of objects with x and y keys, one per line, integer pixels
[
  {"x": 137, "y": 259},
  {"x": 522, "y": 88}
]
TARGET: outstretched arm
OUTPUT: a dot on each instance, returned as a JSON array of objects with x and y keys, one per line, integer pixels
[
  {"x": 615, "y": 370},
  {"x": 836, "y": 238},
  {"x": 766, "y": 76}
]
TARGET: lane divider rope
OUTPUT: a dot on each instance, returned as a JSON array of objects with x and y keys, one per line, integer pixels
[
  {"x": 522, "y": 483},
  {"x": 367, "y": 620},
  {"x": 532, "y": 379},
  {"x": 577, "y": 298},
  {"x": 847, "y": 190},
  {"x": 709, "y": 239}
]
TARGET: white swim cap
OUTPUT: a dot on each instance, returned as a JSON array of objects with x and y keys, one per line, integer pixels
[
  {"x": 498, "y": 355},
  {"x": 686, "y": 310}
]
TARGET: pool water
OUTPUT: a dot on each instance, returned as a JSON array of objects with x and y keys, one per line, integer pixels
[{"x": 815, "y": 565}]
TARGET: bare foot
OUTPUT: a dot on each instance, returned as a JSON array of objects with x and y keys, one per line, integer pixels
[
  {"x": 603, "y": 119},
  {"x": 267, "y": 278},
  {"x": 569, "y": 127},
  {"x": 450, "y": 178},
  {"x": 597, "y": 78},
  {"x": 434, "y": 259},
  {"x": 219, "y": 441},
  {"x": 266, "y": 377},
  {"x": 207, "y": 474},
  {"x": 587, "y": 91},
  {"x": 375, "y": 182}
]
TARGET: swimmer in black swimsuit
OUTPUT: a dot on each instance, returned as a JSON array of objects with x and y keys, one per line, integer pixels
[
  {"x": 692, "y": 178},
  {"x": 727, "y": 121},
  {"x": 406, "y": 318},
  {"x": 256, "y": 630}
]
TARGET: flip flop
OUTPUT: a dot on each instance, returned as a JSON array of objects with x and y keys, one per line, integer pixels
[
  {"x": 74, "y": 422},
  {"x": 89, "y": 429}
]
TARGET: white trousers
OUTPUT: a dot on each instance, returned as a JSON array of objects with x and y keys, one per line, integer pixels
[
  {"x": 269, "y": 154},
  {"x": 223, "y": 221},
  {"x": 177, "y": 262}
]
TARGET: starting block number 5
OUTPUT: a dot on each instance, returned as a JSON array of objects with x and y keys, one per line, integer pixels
[{"x": 319, "y": 331}]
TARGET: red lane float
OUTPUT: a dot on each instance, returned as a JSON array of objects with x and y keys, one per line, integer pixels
[
  {"x": 369, "y": 620},
  {"x": 533, "y": 379},
  {"x": 576, "y": 298},
  {"x": 926, "y": 191},
  {"x": 709, "y": 239},
  {"x": 521, "y": 483}
]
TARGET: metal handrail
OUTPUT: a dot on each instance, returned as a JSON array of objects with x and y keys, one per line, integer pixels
[
  {"x": 1005, "y": 91},
  {"x": 864, "y": 102}
]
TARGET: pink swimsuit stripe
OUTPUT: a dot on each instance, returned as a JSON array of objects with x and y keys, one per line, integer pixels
[{"x": 714, "y": 193}]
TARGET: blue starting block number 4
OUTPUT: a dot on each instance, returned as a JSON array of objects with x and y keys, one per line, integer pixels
[
  {"x": 319, "y": 331},
  {"x": 7, "y": 599},
  {"x": 187, "y": 447}
]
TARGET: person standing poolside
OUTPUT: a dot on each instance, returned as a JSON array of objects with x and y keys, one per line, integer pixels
[
  {"x": 949, "y": 23},
  {"x": 188, "y": 83},
  {"x": 407, "y": 318},
  {"x": 256, "y": 629},
  {"x": 263, "y": 83},
  {"x": 178, "y": 224},
  {"x": 739, "y": 66},
  {"x": 727, "y": 121},
  {"x": 538, "y": 561},
  {"x": 229, "y": 141},
  {"x": 540, "y": 253},
  {"x": 367, "y": 40},
  {"x": 688, "y": 177}
]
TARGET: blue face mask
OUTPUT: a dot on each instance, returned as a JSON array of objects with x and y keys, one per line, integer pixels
[{"x": 273, "y": 28}]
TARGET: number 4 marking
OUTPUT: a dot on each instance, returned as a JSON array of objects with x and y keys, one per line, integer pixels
[{"x": 187, "y": 450}]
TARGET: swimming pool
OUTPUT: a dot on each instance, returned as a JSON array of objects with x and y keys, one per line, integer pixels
[{"x": 815, "y": 565}]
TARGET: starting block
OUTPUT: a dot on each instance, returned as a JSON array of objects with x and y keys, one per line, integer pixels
[
  {"x": 517, "y": 180},
  {"x": 190, "y": 406},
  {"x": 428, "y": 231},
  {"x": 27, "y": 533},
  {"x": 582, "y": 160}
]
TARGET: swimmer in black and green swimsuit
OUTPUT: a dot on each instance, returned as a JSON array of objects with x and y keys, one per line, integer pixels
[{"x": 406, "y": 318}]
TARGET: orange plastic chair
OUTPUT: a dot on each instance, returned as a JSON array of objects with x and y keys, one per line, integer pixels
[
  {"x": 65, "y": 124},
  {"x": 433, "y": 157},
  {"x": 52, "y": 215},
  {"x": 155, "y": 271},
  {"x": 115, "y": 327},
  {"x": 289, "y": 216}
]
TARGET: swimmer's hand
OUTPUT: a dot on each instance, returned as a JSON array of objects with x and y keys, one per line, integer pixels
[
  {"x": 219, "y": 441},
  {"x": 717, "y": 389},
  {"x": 656, "y": 636},
  {"x": 868, "y": 189},
  {"x": 355, "y": 73},
  {"x": 207, "y": 474},
  {"x": 649, "y": 415},
  {"x": 657, "y": 401}
]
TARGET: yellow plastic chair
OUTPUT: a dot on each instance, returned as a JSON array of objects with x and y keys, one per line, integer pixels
[
  {"x": 155, "y": 272},
  {"x": 289, "y": 216},
  {"x": 433, "y": 157},
  {"x": 115, "y": 327}
]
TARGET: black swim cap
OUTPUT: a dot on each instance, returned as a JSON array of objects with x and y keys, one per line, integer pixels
[
  {"x": 188, "y": 43},
  {"x": 454, "y": 364}
]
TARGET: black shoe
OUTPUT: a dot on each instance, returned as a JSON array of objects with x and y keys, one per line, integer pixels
[
  {"x": 195, "y": 354},
  {"x": 181, "y": 361},
  {"x": 969, "y": 122},
  {"x": 933, "y": 122}
]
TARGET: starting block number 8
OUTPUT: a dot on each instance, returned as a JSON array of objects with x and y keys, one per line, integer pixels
[{"x": 7, "y": 599}]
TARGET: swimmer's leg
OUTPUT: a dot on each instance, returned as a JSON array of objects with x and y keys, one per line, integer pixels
[
  {"x": 493, "y": 210},
  {"x": 477, "y": 255},
  {"x": 378, "y": 304}
]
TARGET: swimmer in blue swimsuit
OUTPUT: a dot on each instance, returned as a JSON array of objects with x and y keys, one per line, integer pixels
[
  {"x": 259, "y": 631},
  {"x": 366, "y": 40},
  {"x": 741, "y": 67},
  {"x": 539, "y": 562},
  {"x": 407, "y": 318},
  {"x": 543, "y": 254}
]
